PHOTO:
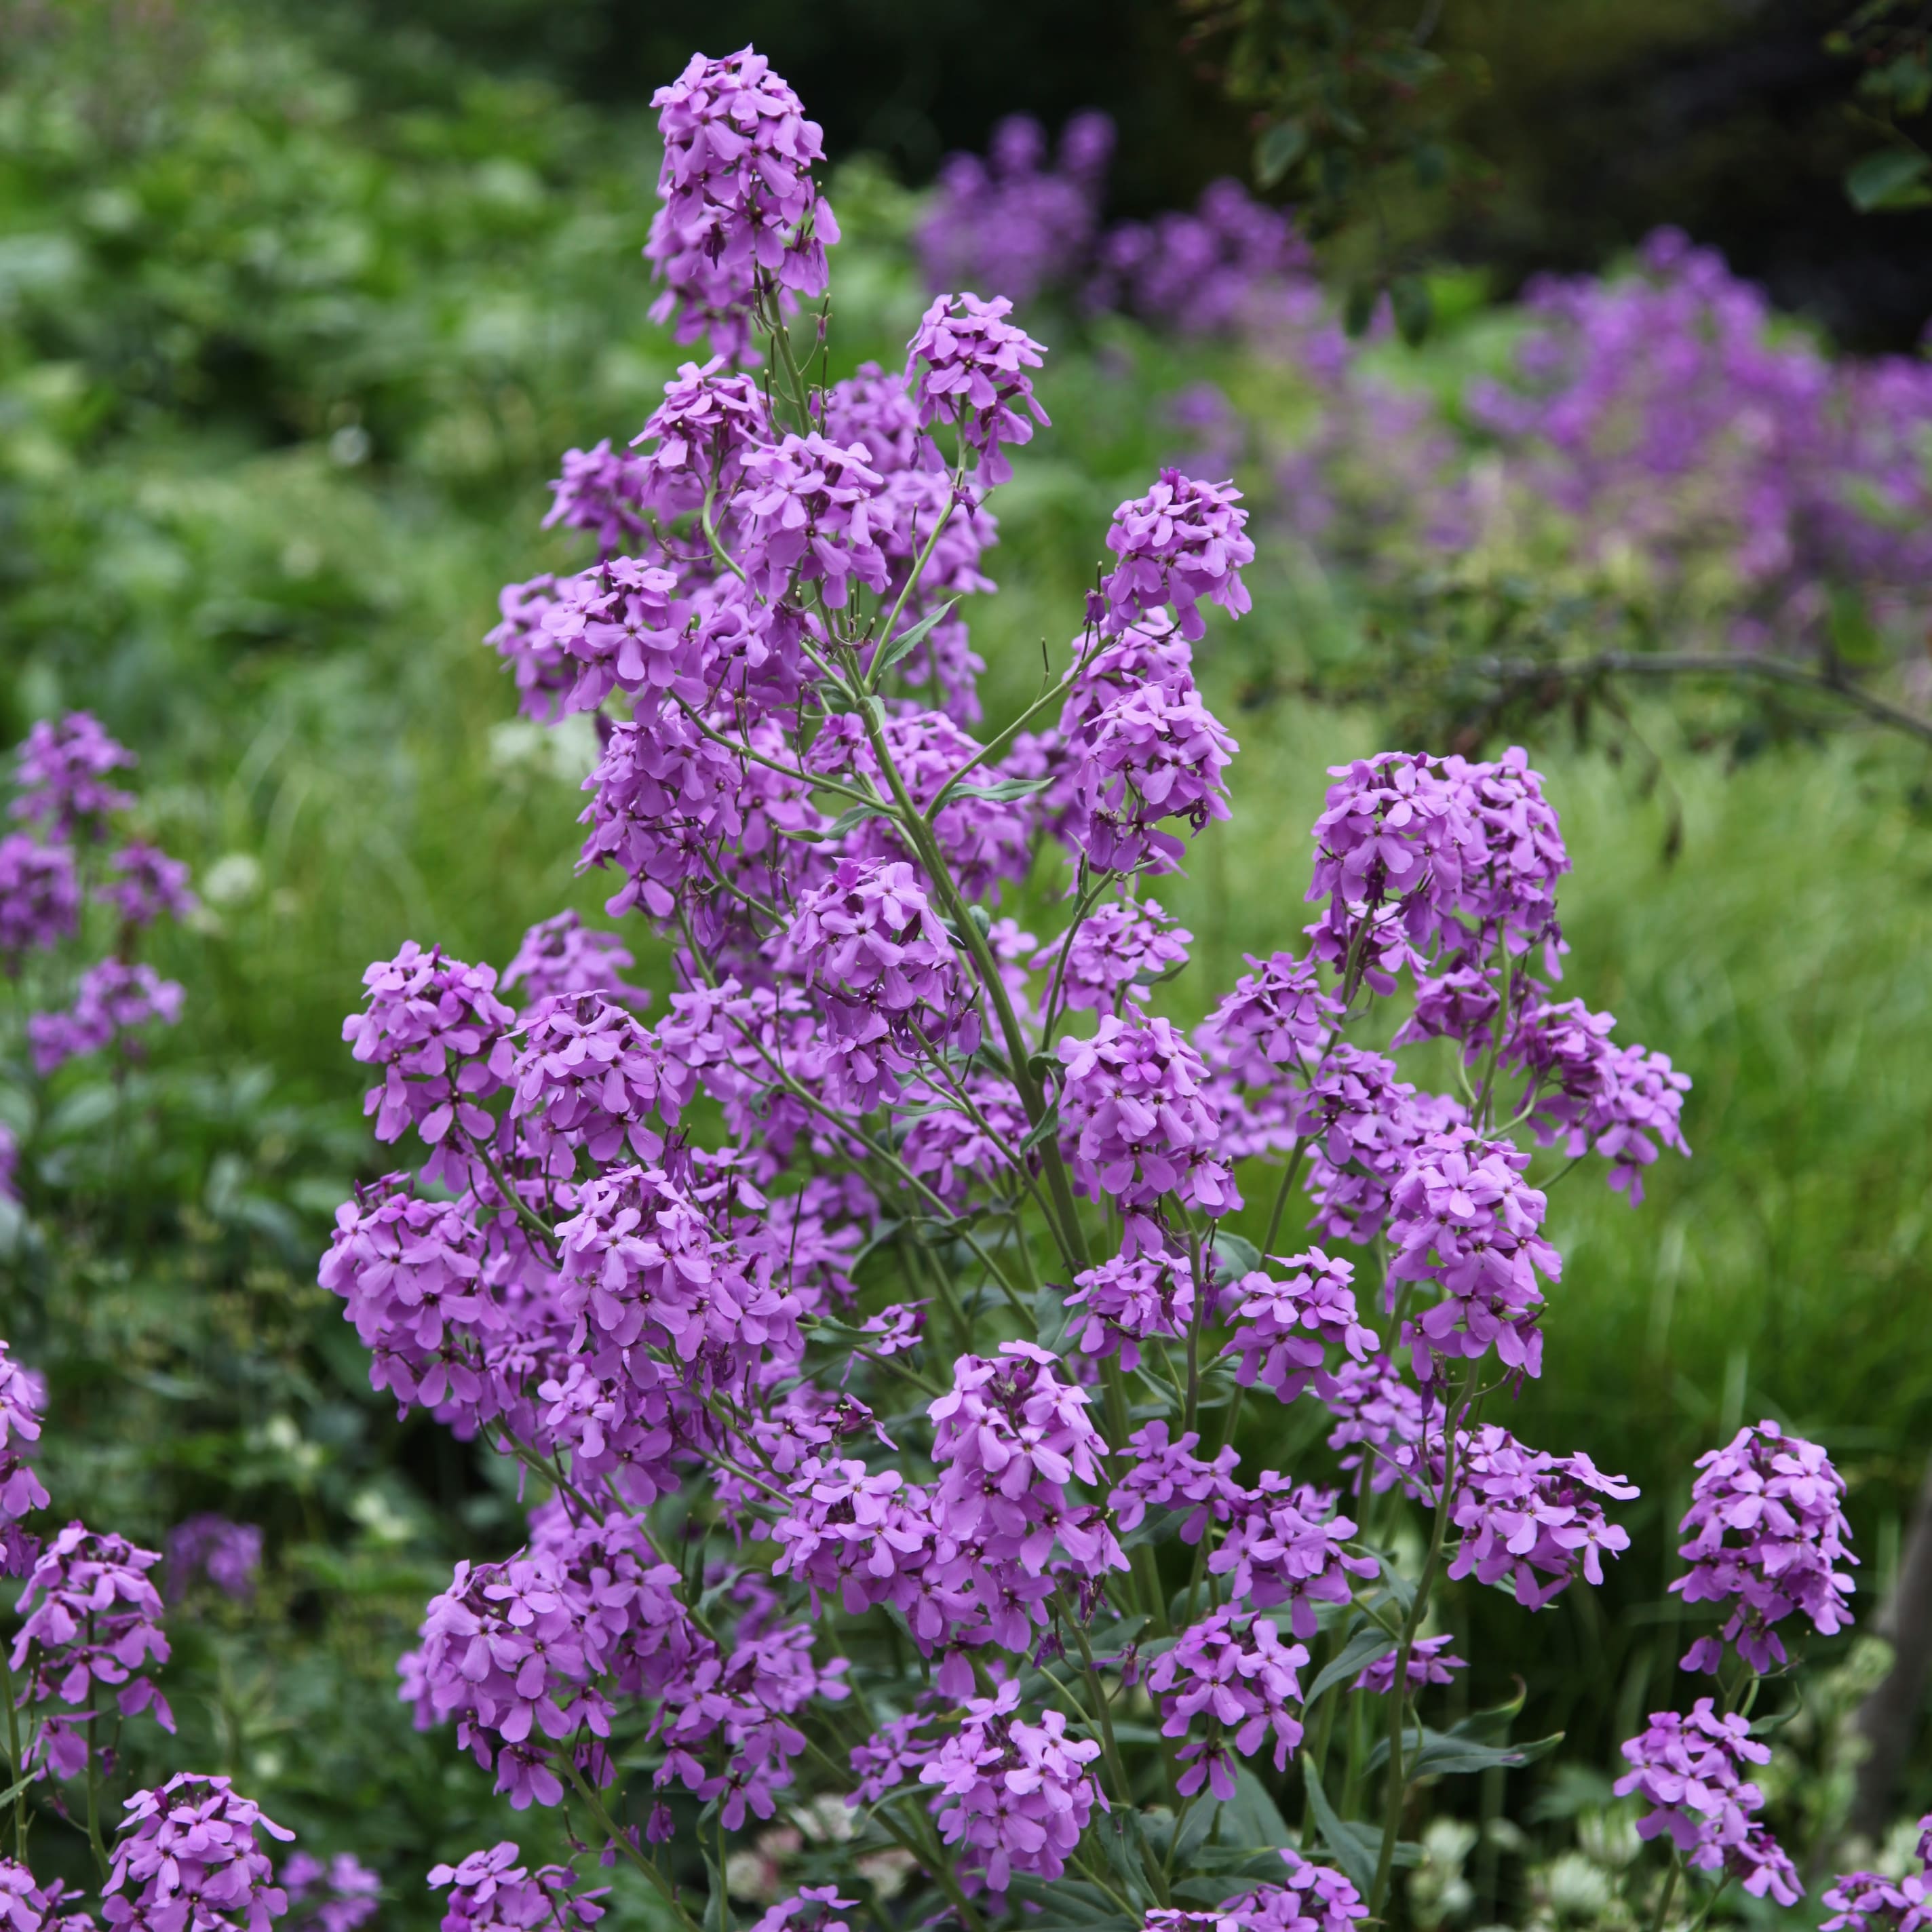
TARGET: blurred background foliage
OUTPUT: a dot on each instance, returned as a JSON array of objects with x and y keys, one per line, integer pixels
[{"x": 297, "y": 309}]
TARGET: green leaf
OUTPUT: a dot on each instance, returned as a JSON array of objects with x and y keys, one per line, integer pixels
[
  {"x": 1360, "y": 1651},
  {"x": 1278, "y": 151},
  {"x": 1358, "y": 306},
  {"x": 1047, "y": 1126},
  {"x": 1251, "y": 1818},
  {"x": 1005, "y": 789},
  {"x": 1415, "y": 311},
  {"x": 1235, "y": 1255},
  {"x": 854, "y": 815},
  {"x": 1051, "y": 1317},
  {"x": 1356, "y": 1848},
  {"x": 908, "y": 641},
  {"x": 1456, "y": 1753},
  {"x": 1119, "y": 1831},
  {"x": 715, "y": 1918},
  {"x": 1891, "y": 178},
  {"x": 1069, "y": 1904}
]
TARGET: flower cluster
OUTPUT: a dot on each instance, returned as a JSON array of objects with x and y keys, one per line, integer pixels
[
  {"x": 1282, "y": 1329},
  {"x": 1767, "y": 1532},
  {"x": 1234, "y": 1672},
  {"x": 23, "y": 1398},
  {"x": 1691, "y": 1772},
  {"x": 337, "y": 1897},
  {"x": 1185, "y": 540},
  {"x": 188, "y": 1856},
  {"x": 494, "y": 1891},
  {"x": 972, "y": 364},
  {"x": 740, "y": 210},
  {"x": 113, "y": 1000},
  {"x": 228, "y": 1554},
  {"x": 1014, "y": 1796}
]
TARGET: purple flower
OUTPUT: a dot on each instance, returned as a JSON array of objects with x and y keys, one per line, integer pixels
[
  {"x": 188, "y": 1859},
  {"x": 39, "y": 898},
  {"x": 229, "y": 1554},
  {"x": 1380, "y": 1415},
  {"x": 1464, "y": 1219},
  {"x": 1285, "y": 1546},
  {"x": 1014, "y": 1796},
  {"x": 1010, "y": 1421},
  {"x": 604, "y": 490},
  {"x": 1529, "y": 1516},
  {"x": 1282, "y": 1329},
  {"x": 1277, "y": 1018},
  {"x": 1156, "y": 754},
  {"x": 813, "y": 1909},
  {"x": 1234, "y": 1672},
  {"x": 27, "y": 1907},
  {"x": 812, "y": 514},
  {"x": 62, "y": 770},
  {"x": 1592, "y": 1096},
  {"x": 1115, "y": 954},
  {"x": 589, "y": 1077},
  {"x": 1184, "y": 541},
  {"x": 1864, "y": 1901},
  {"x": 334, "y": 1897},
  {"x": 889, "y": 1756},
  {"x": 490, "y": 1891},
  {"x": 1135, "y": 1119},
  {"x": 702, "y": 431},
  {"x": 967, "y": 365},
  {"x": 1690, "y": 1771},
  {"x": 868, "y": 941},
  {"x": 543, "y": 673},
  {"x": 623, "y": 622},
  {"x": 740, "y": 210},
  {"x": 146, "y": 884},
  {"x": 23, "y": 1398},
  {"x": 9, "y": 1164},
  {"x": 112, "y": 999},
  {"x": 1125, "y": 1300},
  {"x": 562, "y": 956},
  {"x": 1426, "y": 1665},
  {"x": 89, "y": 1616},
  {"x": 438, "y": 1031},
  {"x": 1161, "y": 1474},
  {"x": 872, "y": 409},
  {"x": 1766, "y": 1530}
]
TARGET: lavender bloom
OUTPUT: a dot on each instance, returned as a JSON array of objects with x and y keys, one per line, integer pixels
[
  {"x": 338, "y": 1897},
  {"x": 812, "y": 514},
  {"x": 562, "y": 956},
  {"x": 39, "y": 899},
  {"x": 229, "y": 1554},
  {"x": 1235, "y": 1671},
  {"x": 23, "y": 1397},
  {"x": 62, "y": 770},
  {"x": 889, "y": 1756},
  {"x": 27, "y": 1907},
  {"x": 601, "y": 489},
  {"x": 1285, "y": 1546},
  {"x": 869, "y": 941},
  {"x": 971, "y": 364},
  {"x": 1115, "y": 954},
  {"x": 1156, "y": 754},
  {"x": 1766, "y": 1532},
  {"x": 1309, "y": 1898},
  {"x": 1463, "y": 1218},
  {"x": 147, "y": 883},
  {"x": 542, "y": 669},
  {"x": 1162, "y": 1475},
  {"x": 810, "y": 1910},
  {"x": 1426, "y": 1665},
  {"x": 437, "y": 1029},
  {"x": 9, "y": 1164},
  {"x": 90, "y": 1616},
  {"x": 1008, "y": 223},
  {"x": 113, "y": 999},
  {"x": 1184, "y": 541},
  {"x": 707, "y": 423},
  {"x": 1127, "y": 1299},
  {"x": 1015, "y": 1796},
  {"x": 490, "y": 1891},
  {"x": 1592, "y": 1097},
  {"x": 1277, "y": 1017},
  {"x": 590, "y": 1077},
  {"x": 1379, "y": 1415},
  {"x": 1283, "y": 1328},
  {"x": 873, "y": 409},
  {"x": 188, "y": 1860},
  {"x": 1863, "y": 1901},
  {"x": 1529, "y": 1516},
  {"x": 740, "y": 206},
  {"x": 1690, "y": 1771},
  {"x": 623, "y": 623}
]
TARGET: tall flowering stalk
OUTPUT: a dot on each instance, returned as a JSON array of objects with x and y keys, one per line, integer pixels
[{"x": 873, "y": 1326}]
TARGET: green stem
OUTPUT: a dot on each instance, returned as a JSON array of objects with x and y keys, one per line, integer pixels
[
  {"x": 621, "y": 1841},
  {"x": 1664, "y": 1897},
  {"x": 1418, "y": 1609},
  {"x": 14, "y": 1756},
  {"x": 1280, "y": 1208},
  {"x": 1110, "y": 1752}
]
